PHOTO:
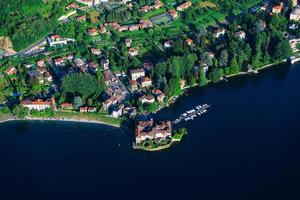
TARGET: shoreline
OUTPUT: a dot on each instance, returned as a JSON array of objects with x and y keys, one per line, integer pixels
[{"x": 59, "y": 120}]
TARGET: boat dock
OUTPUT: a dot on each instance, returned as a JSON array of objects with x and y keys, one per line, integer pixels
[{"x": 192, "y": 114}]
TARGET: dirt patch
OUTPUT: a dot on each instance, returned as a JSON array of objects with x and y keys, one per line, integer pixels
[{"x": 6, "y": 44}]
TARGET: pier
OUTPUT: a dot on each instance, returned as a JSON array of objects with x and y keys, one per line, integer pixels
[{"x": 192, "y": 114}]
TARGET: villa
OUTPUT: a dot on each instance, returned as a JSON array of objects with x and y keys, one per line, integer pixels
[
  {"x": 137, "y": 73},
  {"x": 184, "y": 6},
  {"x": 95, "y": 51},
  {"x": 173, "y": 13},
  {"x": 145, "y": 82},
  {"x": 38, "y": 104},
  {"x": 133, "y": 52},
  {"x": 295, "y": 14},
  {"x": 147, "y": 99},
  {"x": 153, "y": 131},
  {"x": 11, "y": 70},
  {"x": 92, "y": 32}
]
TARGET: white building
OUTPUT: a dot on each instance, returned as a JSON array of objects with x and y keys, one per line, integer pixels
[
  {"x": 295, "y": 14},
  {"x": 137, "y": 73},
  {"x": 37, "y": 104}
]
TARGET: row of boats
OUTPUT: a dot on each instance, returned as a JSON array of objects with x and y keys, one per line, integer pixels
[{"x": 193, "y": 113}]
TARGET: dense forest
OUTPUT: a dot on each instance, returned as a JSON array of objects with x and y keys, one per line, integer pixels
[{"x": 26, "y": 21}]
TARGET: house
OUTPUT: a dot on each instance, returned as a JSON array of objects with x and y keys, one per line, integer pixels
[
  {"x": 173, "y": 13},
  {"x": 129, "y": 111},
  {"x": 95, "y": 51},
  {"x": 108, "y": 77},
  {"x": 240, "y": 34},
  {"x": 110, "y": 102},
  {"x": 137, "y": 73},
  {"x": 92, "y": 32},
  {"x": 66, "y": 106},
  {"x": 160, "y": 96},
  {"x": 145, "y": 24},
  {"x": 219, "y": 32},
  {"x": 87, "y": 109},
  {"x": 154, "y": 131},
  {"x": 93, "y": 66},
  {"x": 11, "y": 70},
  {"x": 81, "y": 18},
  {"x": 128, "y": 42},
  {"x": 294, "y": 43},
  {"x": 102, "y": 29},
  {"x": 41, "y": 70},
  {"x": 211, "y": 54},
  {"x": 59, "y": 62},
  {"x": 294, "y": 3},
  {"x": 133, "y": 52},
  {"x": 86, "y": 2},
  {"x": 277, "y": 9},
  {"x": 72, "y": 6},
  {"x": 133, "y": 85},
  {"x": 148, "y": 66},
  {"x": 168, "y": 44},
  {"x": 37, "y": 104},
  {"x": 182, "y": 83},
  {"x": 114, "y": 25},
  {"x": 184, "y": 6},
  {"x": 105, "y": 64},
  {"x": 118, "y": 111},
  {"x": 188, "y": 41},
  {"x": 54, "y": 40},
  {"x": 147, "y": 99},
  {"x": 157, "y": 4},
  {"x": 145, "y": 9},
  {"x": 122, "y": 28},
  {"x": 78, "y": 62},
  {"x": 70, "y": 57},
  {"x": 41, "y": 63},
  {"x": 295, "y": 14},
  {"x": 134, "y": 27},
  {"x": 48, "y": 77},
  {"x": 145, "y": 82}
]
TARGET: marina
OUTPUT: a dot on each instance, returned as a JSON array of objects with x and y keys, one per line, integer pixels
[{"x": 193, "y": 113}]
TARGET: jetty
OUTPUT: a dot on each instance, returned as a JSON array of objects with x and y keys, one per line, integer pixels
[{"x": 192, "y": 114}]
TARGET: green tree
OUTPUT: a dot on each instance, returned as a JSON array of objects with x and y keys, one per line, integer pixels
[{"x": 20, "y": 111}]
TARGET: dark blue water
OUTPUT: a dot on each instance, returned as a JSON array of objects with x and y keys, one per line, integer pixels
[{"x": 246, "y": 147}]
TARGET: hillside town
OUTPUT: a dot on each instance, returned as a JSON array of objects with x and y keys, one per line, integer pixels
[{"x": 119, "y": 67}]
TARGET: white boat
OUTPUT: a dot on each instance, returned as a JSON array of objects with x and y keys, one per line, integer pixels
[{"x": 294, "y": 59}]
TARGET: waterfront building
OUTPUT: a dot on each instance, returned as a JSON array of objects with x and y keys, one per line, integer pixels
[
  {"x": 153, "y": 131},
  {"x": 38, "y": 104}
]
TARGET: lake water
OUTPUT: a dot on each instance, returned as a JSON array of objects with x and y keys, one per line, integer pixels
[{"x": 246, "y": 147}]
